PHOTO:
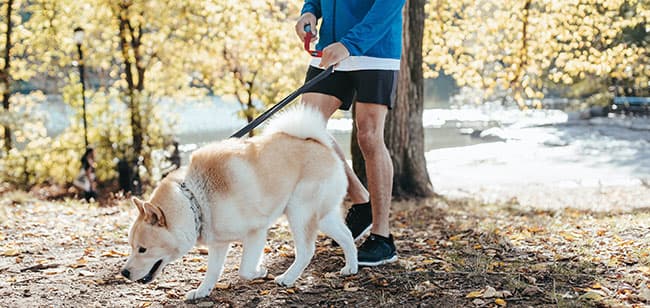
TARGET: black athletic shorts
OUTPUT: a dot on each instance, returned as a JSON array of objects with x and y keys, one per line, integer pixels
[{"x": 367, "y": 86}]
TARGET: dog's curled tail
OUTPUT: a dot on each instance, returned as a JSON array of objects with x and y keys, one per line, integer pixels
[{"x": 300, "y": 121}]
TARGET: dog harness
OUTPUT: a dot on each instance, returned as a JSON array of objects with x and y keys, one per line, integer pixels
[{"x": 196, "y": 209}]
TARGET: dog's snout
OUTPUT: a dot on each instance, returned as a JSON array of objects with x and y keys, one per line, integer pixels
[{"x": 126, "y": 273}]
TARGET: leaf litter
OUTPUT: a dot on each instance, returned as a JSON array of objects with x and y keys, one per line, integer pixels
[{"x": 453, "y": 253}]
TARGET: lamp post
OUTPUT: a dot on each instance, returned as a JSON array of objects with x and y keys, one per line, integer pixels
[{"x": 78, "y": 39}]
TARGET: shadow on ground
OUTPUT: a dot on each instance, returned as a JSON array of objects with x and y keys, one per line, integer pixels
[{"x": 452, "y": 254}]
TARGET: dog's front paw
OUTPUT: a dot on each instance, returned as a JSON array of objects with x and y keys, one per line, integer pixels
[
  {"x": 284, "y": 281},
  {"x": 196, "y": 294},
  {"x": 349, "y": 270}
]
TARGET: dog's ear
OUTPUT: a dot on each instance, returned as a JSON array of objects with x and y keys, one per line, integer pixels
[
  {"x": 154, "y": 215},
  {"x": 138, "y": 204}
]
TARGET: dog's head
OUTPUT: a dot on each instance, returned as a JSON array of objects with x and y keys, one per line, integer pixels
[{"x": 155, "y": 241}]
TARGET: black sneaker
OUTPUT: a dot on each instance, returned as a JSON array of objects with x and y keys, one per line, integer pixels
[
  {"x": 377, "y": 250},
  {"x": 358, "y": 220}
]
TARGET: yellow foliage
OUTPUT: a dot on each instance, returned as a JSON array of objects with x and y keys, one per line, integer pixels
[{"x": 501, "y": 42}]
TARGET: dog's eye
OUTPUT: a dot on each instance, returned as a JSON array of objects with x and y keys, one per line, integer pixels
[{"x": 142, "y": 250}]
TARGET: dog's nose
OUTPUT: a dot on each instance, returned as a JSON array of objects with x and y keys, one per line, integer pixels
[{"x": 126, "y": 273}]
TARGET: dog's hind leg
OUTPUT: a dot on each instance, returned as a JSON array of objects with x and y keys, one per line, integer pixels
[
  {"x": 216, "y": 257},
  {"x": 304, "y": 230},
  {"x": 334, "y": 226},
  {"x": 250, "y": 267}
]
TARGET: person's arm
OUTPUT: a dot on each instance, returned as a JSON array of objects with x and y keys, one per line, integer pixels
[
  {"x": 309, "y": 15},
  {"x": 373, "y": 27},
  {"x": 312, "y": 6}
]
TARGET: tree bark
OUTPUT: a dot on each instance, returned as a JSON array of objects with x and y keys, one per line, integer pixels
[
  {"x": 404, "y": 134},
  {"x": 5, "y": 78},
  {"x": 523, "y": 55},
  {"x": 130, "y": 41}
]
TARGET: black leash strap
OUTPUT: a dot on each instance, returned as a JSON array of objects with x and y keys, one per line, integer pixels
[{"x": 262, "y": 117}]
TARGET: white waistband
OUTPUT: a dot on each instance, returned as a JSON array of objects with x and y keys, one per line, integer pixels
[{"x": 360, "y": 63}]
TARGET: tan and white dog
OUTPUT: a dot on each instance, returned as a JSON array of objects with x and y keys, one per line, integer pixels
[{"x": 234, "y": 190}]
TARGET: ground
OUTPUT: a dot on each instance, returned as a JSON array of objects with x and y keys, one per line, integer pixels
[{"x": 453, "y": 253}]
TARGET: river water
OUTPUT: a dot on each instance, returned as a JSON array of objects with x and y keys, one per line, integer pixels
[{"x": 213, "y": 119}]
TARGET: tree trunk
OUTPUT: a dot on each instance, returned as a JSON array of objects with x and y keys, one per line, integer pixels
[
  {"x": 523, "y": 56},
  {"x": 130, "y": 41},
  {"x": 404, "y": 134},
  {"x": 5, "y": 78}
]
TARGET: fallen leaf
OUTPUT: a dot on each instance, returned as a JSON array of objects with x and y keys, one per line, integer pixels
[
  {"x": 474, "y": 294},
  {"x": 645, "y": 270},
  {"x": 54, "y": 271},
  {"x": 504, "y": 293},
  {"x": 457, "y": 237},
  {"x": 203, "y": 269},
  {"x": 500, "y": 302},
  {"x": 531, "y": 290},
  {"x": 349, "y": 287},
  {"x": 489, "y": 292},
  {"x": 330, "y": 275},
  {"x": 591, "y": 296},
  {"x": 39, "y": 266},
  {"x": 81, "y": 262},
  {"x": 567, "y": 236},
  {"x": 222, "y": 285},
  {"x": 203, "y": 251},
  {"x": 86, "y": 273},
  {"x": 114, "y": 254},
  {"x": 265, "y": 292},
  {"x": 10, "y": 253},
  {"x": 645, "y": 293}
]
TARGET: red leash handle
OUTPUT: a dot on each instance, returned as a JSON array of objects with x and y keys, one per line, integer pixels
[{"x": 308, "y": 37}]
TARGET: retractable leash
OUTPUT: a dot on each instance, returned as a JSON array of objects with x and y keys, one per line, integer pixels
[
  {"x": 308, "y": 85},
  {"x": 308, "y": 37}
]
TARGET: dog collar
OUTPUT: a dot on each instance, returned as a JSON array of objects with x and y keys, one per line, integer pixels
[{"x": 196, "y": 208}]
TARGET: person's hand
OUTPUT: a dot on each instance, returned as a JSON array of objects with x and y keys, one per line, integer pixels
[
  {"x": 333, "y": 54},
  {"x": 306, "y": 19}
]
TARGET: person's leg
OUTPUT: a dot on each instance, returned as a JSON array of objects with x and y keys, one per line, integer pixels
[
  {"x": 379, "y": 247},
  {"x": 327, "y": 105},
  {"x": 370, "y": 119}
]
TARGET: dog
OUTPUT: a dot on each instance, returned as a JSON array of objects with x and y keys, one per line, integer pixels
[{"x": 234, "y": 190}]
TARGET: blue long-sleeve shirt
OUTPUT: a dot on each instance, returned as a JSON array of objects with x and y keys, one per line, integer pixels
[{"x": 371, "y": 28}]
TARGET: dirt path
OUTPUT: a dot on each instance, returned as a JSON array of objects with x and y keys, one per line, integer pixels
[{"x": 452, "y": 254}]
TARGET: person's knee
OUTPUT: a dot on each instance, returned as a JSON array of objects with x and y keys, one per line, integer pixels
[{"x": 370, "y": 141}]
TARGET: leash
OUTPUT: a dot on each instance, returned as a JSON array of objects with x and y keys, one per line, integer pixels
[
  {"x": 308, "y": 37},
  {"x": 308, "y": 85}
]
